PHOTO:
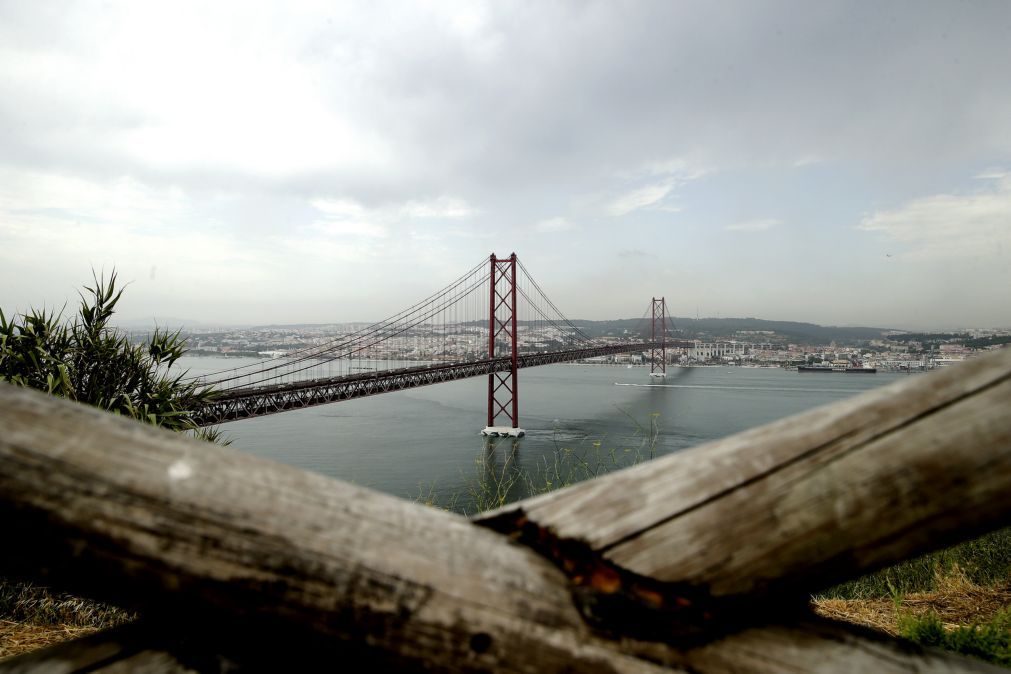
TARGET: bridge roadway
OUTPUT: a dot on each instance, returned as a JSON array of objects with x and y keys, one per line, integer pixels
[{"x": 258, "y": 401}]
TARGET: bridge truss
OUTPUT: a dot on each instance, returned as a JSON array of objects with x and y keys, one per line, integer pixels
[{"x": 492, "y": 321}]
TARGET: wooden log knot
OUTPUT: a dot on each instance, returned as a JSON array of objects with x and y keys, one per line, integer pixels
[{"x": 618, "y": 603}]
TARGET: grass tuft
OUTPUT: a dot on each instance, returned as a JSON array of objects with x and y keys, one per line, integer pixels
[
  {"x": 989, "y": 640},
  {"x": 500, "y": 477},
  {"x": 984, "y": 561},
  {"x": 33, "y": 617},
  {"x": 37, "y": 605}
]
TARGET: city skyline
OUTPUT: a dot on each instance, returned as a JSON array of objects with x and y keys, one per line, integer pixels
[{"x": 253, "y": 164}]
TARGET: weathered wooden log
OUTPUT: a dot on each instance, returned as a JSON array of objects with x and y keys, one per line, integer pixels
[
  {"x": 259, "y": 552},
  {"x": 820, "y": 646},
  {"x": 806, "y": 646},
  {"x": 210, "y": 538},
  {"x": 799, "y": 504}
]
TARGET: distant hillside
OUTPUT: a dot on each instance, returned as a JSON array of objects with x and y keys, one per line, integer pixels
[
  {"x": 685, "y": 328},
  {"x": 729, "y": 328}
]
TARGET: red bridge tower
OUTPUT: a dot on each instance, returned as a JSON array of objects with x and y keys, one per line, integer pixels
[
  {"x": 658, "y": 349},
  {"x": 503, "y": 386}
]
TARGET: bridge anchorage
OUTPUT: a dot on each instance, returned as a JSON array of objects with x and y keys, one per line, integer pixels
[{"x": 438, "y": 339}]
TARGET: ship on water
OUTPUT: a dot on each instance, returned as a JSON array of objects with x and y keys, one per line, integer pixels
[{"x": 846, "y": 366}]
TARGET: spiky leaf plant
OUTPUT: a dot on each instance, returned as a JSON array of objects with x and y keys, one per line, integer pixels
[{"x": 89, "y": 361}]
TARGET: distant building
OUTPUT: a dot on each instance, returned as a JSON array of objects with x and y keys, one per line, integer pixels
[{"x": 707, "y": 351}]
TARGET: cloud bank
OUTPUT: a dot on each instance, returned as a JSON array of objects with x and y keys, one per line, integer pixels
[{"x": 306, "y": 163}]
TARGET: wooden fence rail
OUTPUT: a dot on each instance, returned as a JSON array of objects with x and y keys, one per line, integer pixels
[{"x": 699, "y": 561}]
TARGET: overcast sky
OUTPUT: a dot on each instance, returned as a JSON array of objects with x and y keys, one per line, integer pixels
[{"x": 837, "y": 162}]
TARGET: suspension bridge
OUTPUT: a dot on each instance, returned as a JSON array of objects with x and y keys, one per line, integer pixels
[{"x": 492, "y": 321}]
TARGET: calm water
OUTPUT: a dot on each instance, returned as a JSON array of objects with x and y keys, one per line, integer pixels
[{"x": 409, "y": 442}]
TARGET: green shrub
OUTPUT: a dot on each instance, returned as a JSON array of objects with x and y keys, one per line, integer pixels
[
  {"x": 990, "y": 641},
  {"x": 89, "y": 361}
]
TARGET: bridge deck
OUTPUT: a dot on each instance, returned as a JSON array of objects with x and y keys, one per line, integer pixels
[{"x": 245, "y": 403}]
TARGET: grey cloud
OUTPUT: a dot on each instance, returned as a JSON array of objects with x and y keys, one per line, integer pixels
[
  {"x": 582, "y": 88},
  {"x": 533, "y": 113},
  {"x": 569, "y": 93}
]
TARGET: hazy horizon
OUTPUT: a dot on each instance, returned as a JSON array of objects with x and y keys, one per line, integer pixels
[{"x": 135, "y": 323}]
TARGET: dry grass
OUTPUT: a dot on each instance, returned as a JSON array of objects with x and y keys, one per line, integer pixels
[
  {"x": 956, "y": 600},
  {"x": 38, "y": 605},
  {"x": 33, "y": 617},
  {"x": 17, "y": 638}
]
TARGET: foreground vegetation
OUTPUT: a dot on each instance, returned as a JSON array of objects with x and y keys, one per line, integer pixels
[
  {"x": 33, "y": 617},
  {"x": 989, "y": 640},
  {"x": 954, "y": 614},
  {"x": 499, "y": 477},
  {"x": 958, "y": 599},
  {"x": 87, "y": 360},
  {"x": 984, "y": 562}
]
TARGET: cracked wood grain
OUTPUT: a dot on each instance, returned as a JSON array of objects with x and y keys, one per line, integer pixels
[{"x": 805, "y": 502}]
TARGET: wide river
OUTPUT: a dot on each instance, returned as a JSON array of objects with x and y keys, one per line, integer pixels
[{"x": 427, "y": 440}]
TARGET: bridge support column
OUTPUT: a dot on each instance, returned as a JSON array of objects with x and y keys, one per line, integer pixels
[
  {"x": 503, "y": 387},
  {"x": 658, "y": 349}
]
